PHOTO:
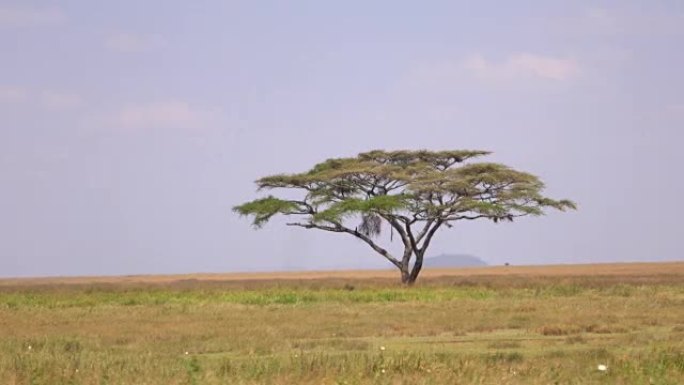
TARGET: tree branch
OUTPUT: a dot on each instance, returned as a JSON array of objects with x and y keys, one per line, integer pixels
[
  {"x": 338, "y": 228},
  {"x": 397, "y": 226},
  {"x": 429, "y": 235},
  {"x": 424, "y": 230},
  {"x": 308, "y": 209},
  {"x": 473, "y": 217}
]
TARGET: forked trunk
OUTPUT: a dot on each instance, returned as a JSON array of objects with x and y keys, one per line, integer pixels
[
  {"x": 417, "y": 267},
  {"x": 410, "y": 275}
]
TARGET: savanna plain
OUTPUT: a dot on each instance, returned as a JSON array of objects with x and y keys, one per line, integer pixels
[{"x": 496, "y": 325}]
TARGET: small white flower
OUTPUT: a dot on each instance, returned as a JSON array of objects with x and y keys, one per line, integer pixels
[
  {"x": 186, "y": 353},
  {"x": 602, "y": 368},
  {"x": 382, "y": 348},
  {"x": 382, "y": 371},
  {"x": 29, "y": 347}
]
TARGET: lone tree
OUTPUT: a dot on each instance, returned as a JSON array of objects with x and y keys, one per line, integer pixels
[{"x": 414, "y": 192}]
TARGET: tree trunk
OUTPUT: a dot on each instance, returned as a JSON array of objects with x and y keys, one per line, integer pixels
[
  {"x": 417, "y": 266},
  {"x": 409, "y": 276},
  {"x": 405, "y": 264},
  {"x": 405, "y": 275}
]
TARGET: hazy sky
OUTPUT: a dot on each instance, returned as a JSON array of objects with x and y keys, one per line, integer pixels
[{"x": 128, "y": 129}]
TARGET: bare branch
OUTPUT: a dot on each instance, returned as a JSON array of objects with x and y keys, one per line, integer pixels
[
  {"x": 429, "y": 236},
  {"x": 392, "y": 220},
  {"x": 424, "y": 230},
  {"x": 338, "y": 228}
]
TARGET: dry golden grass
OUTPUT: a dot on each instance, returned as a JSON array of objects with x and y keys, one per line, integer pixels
[
  {"x": 507, "y": 325},
  {"x": 587, "y": 270}
]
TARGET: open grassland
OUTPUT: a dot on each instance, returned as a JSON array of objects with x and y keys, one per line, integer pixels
[{"x": 504, "y": 325}]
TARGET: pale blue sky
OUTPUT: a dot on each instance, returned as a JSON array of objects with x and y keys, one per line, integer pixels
[{"x": 129, "y": 129}]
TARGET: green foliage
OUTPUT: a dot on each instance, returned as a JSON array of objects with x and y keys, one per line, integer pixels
[
  {"x": 263, "y": 209},
  {"x": 439, "y": 158},
  {"x": 384, "y": 204},
  {"x": 429, "y": 185}
]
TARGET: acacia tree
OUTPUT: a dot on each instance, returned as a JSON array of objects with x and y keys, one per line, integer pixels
[{"x": 416, "y": 193}]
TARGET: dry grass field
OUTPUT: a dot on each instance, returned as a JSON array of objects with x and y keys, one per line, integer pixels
[{"x": 498, "y": 325}]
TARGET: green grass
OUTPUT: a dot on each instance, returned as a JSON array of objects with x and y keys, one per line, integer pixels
[{"x": 490, "y": 331}]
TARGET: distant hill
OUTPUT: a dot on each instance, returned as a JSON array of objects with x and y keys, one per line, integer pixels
[
  {"x": 453, "y": 260},
  {"x": 374, "y": 262}
]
